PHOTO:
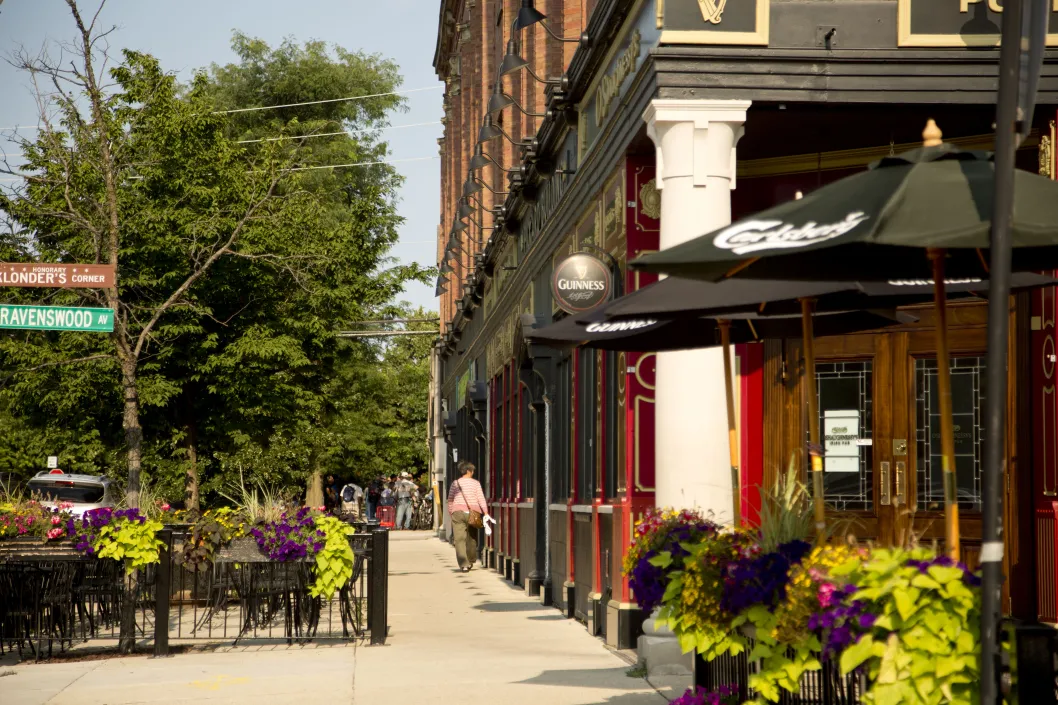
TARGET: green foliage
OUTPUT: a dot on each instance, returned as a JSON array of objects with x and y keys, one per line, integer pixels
[
  {"x": 235, "y": 273},
  {"x": 781, "y": 665},
  {"x": 924, "y": 645},
  {"x": 255, "y": 504},
  {"x": 786, "y": 511},
  {"x": 691, "y": 604},
  {"x": 334, "y": 562},
  {"x": 916, "y": 633},
  {"x": 134, "y": 542},
  {"x": 206, "y": 537}
]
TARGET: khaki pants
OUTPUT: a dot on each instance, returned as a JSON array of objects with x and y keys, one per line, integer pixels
[{"x": 466, "y": 540}]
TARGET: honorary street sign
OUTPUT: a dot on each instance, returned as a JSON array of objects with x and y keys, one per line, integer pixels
[
  {"x": 580, "y": 283},
  {"x": 62, "y": 276},
  {"x": 956, "y": 23},
  {"x": 99, "y": 320}
]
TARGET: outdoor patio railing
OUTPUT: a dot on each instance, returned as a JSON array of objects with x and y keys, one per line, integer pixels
[
  {"x": 1030, "y": 672},
  {"x": 55, "y": 598}
]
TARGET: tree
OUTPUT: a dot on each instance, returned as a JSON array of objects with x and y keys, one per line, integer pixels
[
  {"x": 278, "y": 417},
  {"x": 382, "y": 423},
  {"x": 237, "y": 263}
]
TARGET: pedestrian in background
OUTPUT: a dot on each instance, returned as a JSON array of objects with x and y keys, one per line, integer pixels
[
  {"x": 388, "y": 498},
  {"x": 466, "y": 506},
  {"x": 330, "y": 494},
  {"x": 374, "y": 496},
  {"x": 351, "y": 495},
  {"x": 404, "y": 489}
]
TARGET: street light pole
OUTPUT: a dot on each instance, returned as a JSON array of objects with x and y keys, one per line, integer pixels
[{"x": 998, "y": 331}]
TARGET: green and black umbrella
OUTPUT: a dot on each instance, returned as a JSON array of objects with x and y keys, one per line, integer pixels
[
  {"x": 676, "y": 297},
  {"x": 924, "y": 214},
  {"x": 594, "y": 330},
  {"x": 680, "y": 314},
  {"x": 874, "y": 225}
]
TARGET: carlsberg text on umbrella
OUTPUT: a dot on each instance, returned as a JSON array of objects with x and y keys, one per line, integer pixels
[{"x": 100, "y": 320}]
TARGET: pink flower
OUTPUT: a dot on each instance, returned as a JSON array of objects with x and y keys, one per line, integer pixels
[
  {"x": 165, "y": 507},
  {"x": 55, "y": 521},
  {"x": 57, "y": 532},
  {"x": 323, "y": 509},
  {"x": 826, "y": 594}
]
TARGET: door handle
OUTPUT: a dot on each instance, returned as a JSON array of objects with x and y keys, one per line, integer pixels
[
  {"x": 885, "y": 500},
  {"x": 901, "y": 483}
]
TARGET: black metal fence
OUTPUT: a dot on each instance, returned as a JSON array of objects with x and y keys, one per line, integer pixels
[
  {"x": 1030, "y": 674},
  {"x": 823, "y": 687},
  {"x": 54, "y": 599}
]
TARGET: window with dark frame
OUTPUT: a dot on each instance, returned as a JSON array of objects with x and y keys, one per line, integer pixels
[
  {"x": 587, "y": 380},
  {"x": 613, "y": 432},
  {"x": 562, "y": 424},
  {"x": 528, "y": 469},
  {"x": 508, "y": 430}
]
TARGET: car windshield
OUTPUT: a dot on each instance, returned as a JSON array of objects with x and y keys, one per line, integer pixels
[{"x": 66, "y": 492}]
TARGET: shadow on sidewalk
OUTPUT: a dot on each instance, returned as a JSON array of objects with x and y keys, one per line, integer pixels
[
  {"x": 603, "y": 678},
  {"x": 512, "y": 607}
]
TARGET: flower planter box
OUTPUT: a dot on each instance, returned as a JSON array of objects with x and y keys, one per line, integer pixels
[
  {"x": 36, "y": 549},
  {"x": 241, "y": 550}
]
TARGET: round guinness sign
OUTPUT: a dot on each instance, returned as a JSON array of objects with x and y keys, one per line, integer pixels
[{"x": 580, "y": 283}]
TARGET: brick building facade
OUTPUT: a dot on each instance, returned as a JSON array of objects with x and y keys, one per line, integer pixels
[{"x": 670, "y": 118}]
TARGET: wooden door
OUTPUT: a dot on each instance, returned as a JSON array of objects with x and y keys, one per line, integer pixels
[
  {"x": 857, "y": 391},
  {"x": 882, "y": 467},
  {"x": 967, "y": 366}
]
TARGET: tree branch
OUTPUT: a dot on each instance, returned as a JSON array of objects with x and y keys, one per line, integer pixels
[
  {"x": 74, "y": 361},
  {"x": 216, "y": 255}
]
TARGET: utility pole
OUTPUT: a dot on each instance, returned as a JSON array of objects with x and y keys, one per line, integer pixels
[{"x": 998, "y": 330}]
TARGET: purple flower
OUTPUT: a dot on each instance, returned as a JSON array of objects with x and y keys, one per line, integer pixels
[
  {"x": 724, "y": 695},
  {"x": 867, "y": 620},
  {"x": 760, "y": 579}
]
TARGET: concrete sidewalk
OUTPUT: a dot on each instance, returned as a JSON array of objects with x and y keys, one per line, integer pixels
[{"x": 453, "y": 638}]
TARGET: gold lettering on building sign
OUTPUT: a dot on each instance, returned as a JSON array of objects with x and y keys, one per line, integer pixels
[
  {"x": 993, "y": 5},
  {"x": 611, "y": 217},
  {"x": 611, "y": 83},
  {"x": 713, "y": 10},
  {"x": 650, "y": 200},
  {"x": 1046, "y": 156}
]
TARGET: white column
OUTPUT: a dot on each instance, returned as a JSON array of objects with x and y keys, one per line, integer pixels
[{"x": 695, "y": 141}]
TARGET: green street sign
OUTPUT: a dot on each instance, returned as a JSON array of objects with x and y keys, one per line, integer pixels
[{"x": 98, "y": 320}]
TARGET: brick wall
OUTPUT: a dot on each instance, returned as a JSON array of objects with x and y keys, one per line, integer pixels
[{"x": 469, "y": 63}]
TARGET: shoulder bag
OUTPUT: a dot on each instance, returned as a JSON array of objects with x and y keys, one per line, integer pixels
[{"x": 473, "y": 518}]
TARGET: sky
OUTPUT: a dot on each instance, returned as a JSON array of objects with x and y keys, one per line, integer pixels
[{"x": 189, "y": 34}]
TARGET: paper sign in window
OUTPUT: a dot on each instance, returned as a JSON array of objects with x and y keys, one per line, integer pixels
[{"x": 841, "y": 433}]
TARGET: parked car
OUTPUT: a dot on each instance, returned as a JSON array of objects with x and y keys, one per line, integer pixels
[{"x": 84, "y": 492}]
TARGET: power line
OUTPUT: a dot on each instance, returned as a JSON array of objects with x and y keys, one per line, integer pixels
[
  {"x": 288, "y": 105},
  {"x": 341, "y": 132},
  {"x": 325, "y": 166},
  {"x": 395, "y": 320},
  {"x": 329, "y": 100},
  {"x": 343, "y": 166},
  {"x": 383, "y": 333}
]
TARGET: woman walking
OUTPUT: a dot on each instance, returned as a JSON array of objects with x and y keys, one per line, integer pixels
[{"x": 466, "y": 506}]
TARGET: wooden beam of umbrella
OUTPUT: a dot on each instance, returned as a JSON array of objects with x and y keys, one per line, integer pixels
[
  {"x": 815, "y": 450},
  {"x": 732, "y": 434},
  {"x": 932, "y": 137},
  {"x": 947, "y": 430}
]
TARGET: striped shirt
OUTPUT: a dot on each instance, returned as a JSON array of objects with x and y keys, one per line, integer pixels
[{"x": 464, "y": 495}]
